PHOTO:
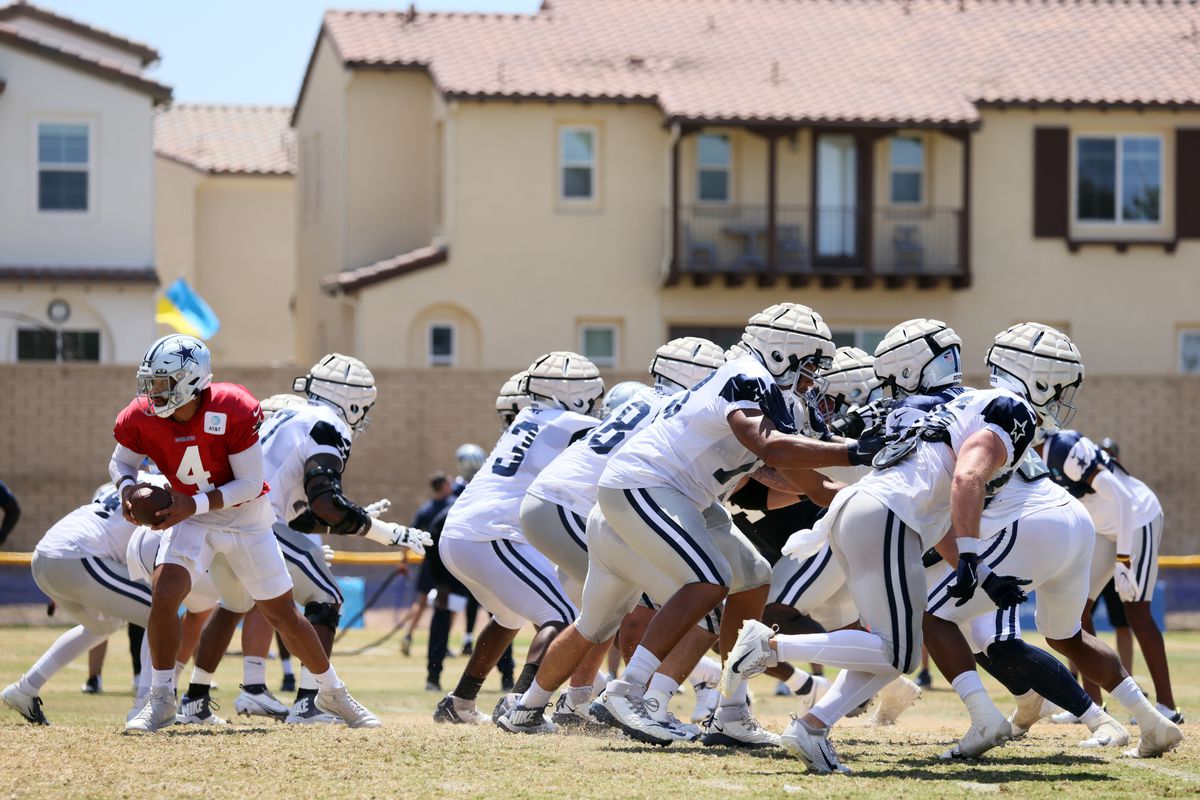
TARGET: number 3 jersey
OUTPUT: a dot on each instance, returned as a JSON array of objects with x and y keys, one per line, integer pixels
[
  {"x": 490, "y": 507},
  {"x": 573, "y": 478},
  {"x": 289, "y": 439},
  {"x": 690, "y": 447}
]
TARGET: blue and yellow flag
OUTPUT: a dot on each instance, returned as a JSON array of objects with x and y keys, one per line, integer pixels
[{"x": 185, "y": 311}]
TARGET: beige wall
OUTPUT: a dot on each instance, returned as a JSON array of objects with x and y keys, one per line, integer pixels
[{"x": 423, "y": 415}]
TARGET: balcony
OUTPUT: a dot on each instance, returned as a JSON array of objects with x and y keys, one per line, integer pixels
[{"x": 892, "y": 245}]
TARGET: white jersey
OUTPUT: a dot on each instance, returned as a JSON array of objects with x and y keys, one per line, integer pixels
[
  {"x": 1029, "y": 490},
  {"x": 1140, "y": 505},
  {"x": 97, "y": 529},
  {"x": 572, "y": 479},
  {"x": 690, "y": 447},
  {"x": 289, "y": 439},
  {"x": 917, "y": 488},
  {"x": 490, "y": 507}
]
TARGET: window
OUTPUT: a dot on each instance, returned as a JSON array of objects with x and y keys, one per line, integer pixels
[
  {"x": 577, "y": 162},
  {"x": 599, "y": 344},
  {"x": 1189, "y": 351},
  {"x": 724, "y": 335},
  {"x": 1118, "y": 179},
  {"x": 907, "y": 168},
  {"x": 713, "y": 159},
  {"x": 441, "y": 345},
  {"x": 37, "y": 344},
  {"x": 863, "y": 338},
  {"x": 63, "y": 153}
]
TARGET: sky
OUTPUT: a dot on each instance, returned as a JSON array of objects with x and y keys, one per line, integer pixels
[{"x": 238, "y": 51}]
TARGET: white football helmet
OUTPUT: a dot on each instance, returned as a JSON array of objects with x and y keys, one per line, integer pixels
[
  {"x": 791, "y": 341},
  {"x": 682, "y": 363},
  {"x": 920, "y": 356},
  {"x": 1041, "y": 363},
  {"x": 565, "y": 380},
  {"x": 512, "y": 398},
  {"x": 346, "y": 384},
  {"x": 278, "y": 402},
  {"x": 851, "y": 381},
  {"x": 173, "y": 372},
  {"x": 619, "y": 395},
  {"x": 470, "y": 458}
]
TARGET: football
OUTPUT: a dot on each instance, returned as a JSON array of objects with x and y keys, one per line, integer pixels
[{"x": 146, "y": 501}]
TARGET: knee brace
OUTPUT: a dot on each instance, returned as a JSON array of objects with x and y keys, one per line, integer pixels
[{"x": 327, "y": 614}]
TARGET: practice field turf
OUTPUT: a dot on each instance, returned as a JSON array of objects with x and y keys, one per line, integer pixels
[{"x": 84, "y": 754}]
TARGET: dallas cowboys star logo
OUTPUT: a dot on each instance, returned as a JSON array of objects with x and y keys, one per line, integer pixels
[
  {"x": 1018, "y": 430},
  {"x": 185, "y": 354}
]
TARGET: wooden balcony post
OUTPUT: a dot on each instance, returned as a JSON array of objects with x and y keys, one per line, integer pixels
[
  {"x": 676, "y": 243},
  {"x": 772, "y": 204},
  {"x": 963, "y": 279}
]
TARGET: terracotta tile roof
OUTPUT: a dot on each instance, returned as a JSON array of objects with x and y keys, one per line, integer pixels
[
  {"x": 825, "y": 61},
  {"x": 239, "y": 140},
  {"x": 32, "y": 274},
  {"x": 103, "y": 68},
  {"x": 351, "y": 280},
  {"x": 20, "y": 8}
]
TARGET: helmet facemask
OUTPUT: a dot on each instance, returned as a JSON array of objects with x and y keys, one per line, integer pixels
[
  {"x": 944, "y": 370},
  {"x": 173, "y": 372}
]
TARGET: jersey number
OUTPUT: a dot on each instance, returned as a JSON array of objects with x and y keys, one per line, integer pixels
[
  {"x": 277, "y": 419},
  {"x": 509, "y": 468},
  {"x": 613, "y": 432},
  {"x": 191, "y": 471}
]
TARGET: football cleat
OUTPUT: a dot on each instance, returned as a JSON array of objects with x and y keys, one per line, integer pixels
[
  {"x": 750, "y": 656},
  {"x": 1109, "y": 733},
  {"x": 406, "y": 646},
  {"x": 510, "y": 700},
  {"x": 629, "y": 713},
  {"x": 198, "y": 711},
  {"x": 157, "y": 712},
  {"x": 305, "y": 712},
  {"x": 820, "y": 686},
  {"x": 567, "y": 715},
  {"x": 978, "y": 740},
  {"x": 1172, "y": 714},
  {"x": 456, "y": 711},
  {"x": 257, "y": 701},
  {"x": 342, "y": 705},
  {"x": 28, "y": 706},
  {"x": 1027, "y": 712},
  {"x": 433, "y": 686},
  {"x": 1156, "y": 740},
  {"x": 742, "y": 730},
  {"x": 659, "y": 711},
  {"x": 707, "y": 700},
  {"x": 898, "y": 696},
  {"x": 519, "y": 719},
  {"x": 1065, "y": 718},
  {"x": 814, "y": 749},
  {"x": 93, "y": 685}
]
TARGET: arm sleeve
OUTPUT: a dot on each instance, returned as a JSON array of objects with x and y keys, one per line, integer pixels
[
  {"x": 1110, "y": 508},
  {"x": 124, "y": 462},
  {"x": 247, "y": 482}
]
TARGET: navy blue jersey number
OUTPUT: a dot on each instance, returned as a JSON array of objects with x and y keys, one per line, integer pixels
[
  {"x": 277, "y": 419},
  {"x": 106, "y": 503},
  {"x": 613, "y": 432},
  {"x": 525, "y": 433}
]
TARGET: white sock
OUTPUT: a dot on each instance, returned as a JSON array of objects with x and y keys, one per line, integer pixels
[
  {"x": 162, "y": 677},
  {"x": 798, "y": 681},
  {"x": 535, "y": 696},
  {"x": 180, "y": 666},
  {"x": 580, "y": 695},
  {"x": 1094, "y": 717},
  {"x": 641, "y": 666},
  {"x": 706, "y": 674},
  {"x": 857, "y": 650},
  {"x": 849, "y": 691},
  {"x": 307, "y": 681},
  {"x": 254, "y": 671},
  {"x": 66, "y": 648},
  {"x": 979, "y": 705},
  {"x": 1129, "y": 695},
  {"x": 663, "y": 683},
  {"x": 201, "y": 676},
  {"x": 738, "y": 698},
  {"x": 328, "y": 679}
]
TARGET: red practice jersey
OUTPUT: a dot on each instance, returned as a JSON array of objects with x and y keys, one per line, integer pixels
[{"x": 194, "y": 455}]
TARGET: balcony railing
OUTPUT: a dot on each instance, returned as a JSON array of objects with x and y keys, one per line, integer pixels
[{"x": 893, "y": 242}]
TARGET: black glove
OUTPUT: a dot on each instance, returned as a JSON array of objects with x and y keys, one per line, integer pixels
[
  {"x": 1005, "y": 590},
  {"x": 849, "y": 425},
  {"x": 865, "y": 448},
  {"x": 966, "y": 578}
]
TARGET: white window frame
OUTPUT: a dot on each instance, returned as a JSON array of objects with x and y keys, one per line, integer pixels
[
  {"x": 435, "y": 360},
  {"x": 1119, "y": 186},
  {"x": 564, "y": 163},
  {"x": 893, "y": 170},
  {"x": 610, "y": 361},
  {"x": 728, "y": 168},
  {"x": 89, "y": 168},
  {"x": 1181, "y": 336},
  {"x": 859, "y": 332}
]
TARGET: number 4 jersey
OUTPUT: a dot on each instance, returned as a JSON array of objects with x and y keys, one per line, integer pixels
[{"x": 490, "y": 507}]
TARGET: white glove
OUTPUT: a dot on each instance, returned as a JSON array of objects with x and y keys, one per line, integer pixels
[
  {"x": 378, "y": 508},
  {"x": 393, "y": 535},
  {"x": 1126, "y": 583},
  {"x": 327, "y": 552},
  {"x": 806, "y": 543}
]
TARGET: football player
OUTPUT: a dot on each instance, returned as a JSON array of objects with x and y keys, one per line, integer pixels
[
  {"x": 204, "y": 438},
  {"x": 1129, "y": 521},
  {"x": 483, "y": 545}
]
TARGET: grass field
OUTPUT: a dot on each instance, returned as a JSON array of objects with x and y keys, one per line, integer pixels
[{"x": 84, "y": 755}]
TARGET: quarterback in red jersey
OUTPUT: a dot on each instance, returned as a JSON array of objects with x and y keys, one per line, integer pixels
[{"x": 203, "y": 437}]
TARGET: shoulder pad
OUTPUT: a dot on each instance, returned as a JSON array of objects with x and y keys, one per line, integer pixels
[{"x": 1015, "y": 417}]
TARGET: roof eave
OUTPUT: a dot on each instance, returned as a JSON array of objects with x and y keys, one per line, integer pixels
[
  {"x": 145, "y": 53},
  {"x": 245, "y": 173},
  {"x": 353, "y": 280}
]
